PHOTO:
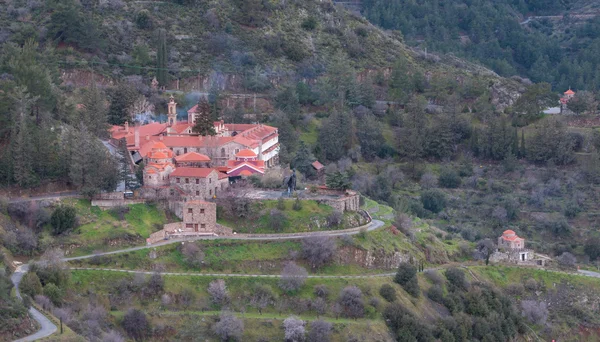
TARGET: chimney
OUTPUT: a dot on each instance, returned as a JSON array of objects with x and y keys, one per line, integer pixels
[
  {"x": 136, "y": 134},
  {"x": 126, "y": 126},
  {"x": 147, "y": 137}
]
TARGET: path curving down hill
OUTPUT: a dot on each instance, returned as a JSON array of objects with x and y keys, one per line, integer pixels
[{"x": 47, "y": 327}]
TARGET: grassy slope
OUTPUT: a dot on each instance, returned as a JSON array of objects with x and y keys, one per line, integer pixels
[
  {"x": 103, "y": 230},
  {"x": 296, "y": 220}
]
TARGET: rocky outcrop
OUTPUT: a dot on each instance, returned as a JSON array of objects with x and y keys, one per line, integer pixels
[{"x": 370, "y": 259}]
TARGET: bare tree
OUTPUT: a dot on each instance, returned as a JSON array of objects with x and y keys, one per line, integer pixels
[
  {"x": 263, "y": 296},
  {"x": 136, "y": 325},
  {"x": 500, "y": 215},
  {"x": 321, "y": 290},
  {"x": 320, "y": 331},
  {"x": 535, "y": 312},
  {"x": 187, "y": 297},
  {"x": 335, "y": 218},
  {"x": 294, "y": 329},
  {"x": 192, "y": 254},
  {"x": 319, "y": 306},
  {"x": 318, "y": 250},
  {"x": 352, "y": 302},
  {"x": 165, "y": 300},
  {"x": 404, "y": 223},
  {"x": 428, "y": 180},
  {"x": 292, "y": 277},
  {"x": 112, "y": 336},
  {"x": 229, "y": 327},
  {"x": 44, "y": 302},
  {"x": 485, "y": 249},
  {"x": 218, "y": 292},
  {"x": 567, "y": 260}
]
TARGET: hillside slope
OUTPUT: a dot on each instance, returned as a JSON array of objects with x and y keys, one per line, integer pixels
[{"x": 214, "y": 42}]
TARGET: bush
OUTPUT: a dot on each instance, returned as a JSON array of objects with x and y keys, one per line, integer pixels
[
  {"x": 433, "y": 200},
  {"x": 277, "y": 220},
  {"x": 535, "y": 312},
  {"x": 309, "y": 24},
  {"x": 449, "y": 178},
  {"x": 592, "y": 248},
  {"x": 136, "y": 325},
  {"x": 572, "y": 209},
  {"x": 407, "y": 278},
  {"x": 456, "y": 278},
  {"x": 351, "y": 302},
  {"x": 281, "y": 204},
  {"x": 292, "y": 277},
  {"x": 31, "y": 285},
  {"x": 63, "y": 218},
  {"x": 297, "y": 205},
  {"x": 321, "y": 291},
  {"x": 436, "y": 294},
  {"x": 388, "y": 292},
  {"x": 404, "y": 325},
  {"x": 318, "y": 250},
  {"x": 54, "y": 293},
  {"x": 320, "y": 331},
  {"x": 567, "y": 260},
  {"x": 294, "y": 329},
  {"x": 334, "y": 219}
]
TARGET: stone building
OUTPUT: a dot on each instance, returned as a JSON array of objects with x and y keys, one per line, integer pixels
[
  {"x": 511, "y": 248},
  {"x": 510, "y": 240},
  {"x": 199, "y": 182},
  {"x": 158, "y": 165}
]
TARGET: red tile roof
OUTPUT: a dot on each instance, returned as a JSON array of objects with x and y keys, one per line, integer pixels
[
  {"x": 196, "y": 172},
  {"x": 317, "y": 165},
  {"x": 192, "y": 157},
  {"x": 569, "y": 92},
  {"x": 246, "y": 154},
  {"x": 151, "y": 129}
]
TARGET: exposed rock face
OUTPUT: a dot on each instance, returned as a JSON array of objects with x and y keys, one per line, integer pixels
[
  {"x": 370, "y": 259},
  {"x": 504, "y": 95}
]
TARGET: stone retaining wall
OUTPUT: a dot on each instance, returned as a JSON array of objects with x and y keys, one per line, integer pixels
[{"x": 107, "y": 203}]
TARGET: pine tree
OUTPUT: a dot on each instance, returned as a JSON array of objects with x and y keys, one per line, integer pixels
[
  {"x": 214, "y": 98},
  {"x": 411, "y": 137},
  {"x": 204, "y": 123},
  {"x": 94, "y": 113},
  {"x": 161, "y": 58},
  {"x": 303, "y": 160},
  {"x": 22, "y": 150}
]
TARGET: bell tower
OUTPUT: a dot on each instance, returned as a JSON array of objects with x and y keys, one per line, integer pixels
[{"x": 172, "y": 114}]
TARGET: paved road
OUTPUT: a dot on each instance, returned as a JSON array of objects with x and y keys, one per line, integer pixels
[
  {"x": 374, "y": 224},
  {"x": 42, "y": 197},
  {"x": 590, "y": 273},
  {"x": 48, "y": 328}
]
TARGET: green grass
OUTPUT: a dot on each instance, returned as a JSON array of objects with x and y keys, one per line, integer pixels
[
  {"x": 102, "y": 230},
  {"x": 505, "y": 275},
  {"x": 312, "y": 217}
]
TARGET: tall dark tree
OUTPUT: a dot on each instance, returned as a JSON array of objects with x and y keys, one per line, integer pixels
[
  {"x": 287, "y": 101},
  {"x": 370, "y": 137},
  {"x": 336, "y": 136},
  {"x": 204, "y": 123},
  {"x": 162, "y": 75},
  {"x": 411, "y": 137},
  {"x": 303, "y": 161},
  {"x": 22, "y": 150},
  {"x": 94, "y": 112},
  {"x": 122, "y": 98}
]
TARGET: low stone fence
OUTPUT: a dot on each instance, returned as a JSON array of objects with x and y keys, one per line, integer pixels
[{"x": 105, "y": 204}]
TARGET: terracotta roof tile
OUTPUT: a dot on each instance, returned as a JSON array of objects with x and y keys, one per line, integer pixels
[
  {"x": 196, "y": 172},
  {"x": 192, "y": 157}
]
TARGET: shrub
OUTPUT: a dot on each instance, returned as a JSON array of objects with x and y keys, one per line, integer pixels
[
  {"x": 567, "y": 260},
  {"x": 428, "y": 180},
  {"x": 351, "y": 302},
  {"x": 318, "y": 250},
  {"x": 407, "y": 278},
  {"x": 334, "y": 219},
  {"x": 31, "y": 285},
  {"x": 449, "y": 178},
  {"x": 321, "y": 291},
  {"x": 320, "y": 331},
  {"x": 192, "y": 254},
  {"x": 63, "y": 218},
  {"x": 388, "y": 292},
  {"x": 281, "y": 204},
  {"x": 592, "y": 248},
  {"x": 404, "y": 325},
  {"x": 572, "y": 209},
  {"x": 535, "y": 312},
  {"x": 229, "y": 327},
  {"x": 297, "y": 205},
  {"x": 433, "y": 200},
  {"x": 54, "y": 293},
  {"x": 309, "y": 24},
  {"x": 143, "y": 19},
  {"x": 434, "y": 277},
  {"x": 277, "y": 219},
  {"x": 294, "y": 329},
  {"x": 456, "y": 278},
  {"x": 361, "y": 31},
  {"x": 292, "y": 277},
  {"x": 436, "y": 294}
]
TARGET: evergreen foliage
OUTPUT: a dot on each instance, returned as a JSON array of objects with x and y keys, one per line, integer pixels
[
  {"x": 162, "y": 75},
  {"x": 63, "y": 218},
  {"x": 204, "y": 123},
  {"x": 338, "y": 180}
]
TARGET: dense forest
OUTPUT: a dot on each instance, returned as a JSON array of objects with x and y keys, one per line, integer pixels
[{"x": 562, "y": 52}]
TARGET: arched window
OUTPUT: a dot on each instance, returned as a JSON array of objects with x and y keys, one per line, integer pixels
[{"x": 223, "y": 152}]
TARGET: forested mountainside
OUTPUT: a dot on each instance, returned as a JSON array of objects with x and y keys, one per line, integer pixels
[{"x": 548, "y": 41}]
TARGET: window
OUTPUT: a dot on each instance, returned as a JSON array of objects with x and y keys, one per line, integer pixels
[
  {"x": 189, "y": 225},
  {"x": 201, "y": 211},
  {"x": 210, "y": 180},
  {"x": 178, "y": 180},
  {"x": 202, "y": 225},
  {"x": 190, "y": 210},
  {"x": 210, "y": 192},
  {"x": 172, "y": 192},
  {"x": 223, "y": 152},
  {"x": 197, "y": 181},
  {"x": 187, "y": 181},
  {"x": 185, "y": 150},
  {"x": 197, "y": 193}
]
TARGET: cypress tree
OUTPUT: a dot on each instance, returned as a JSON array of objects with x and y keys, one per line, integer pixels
[
  {"x": 523, "y": 152},
  {"x": 204, "y": 123},
  {"x": 161, "y": 58}
]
